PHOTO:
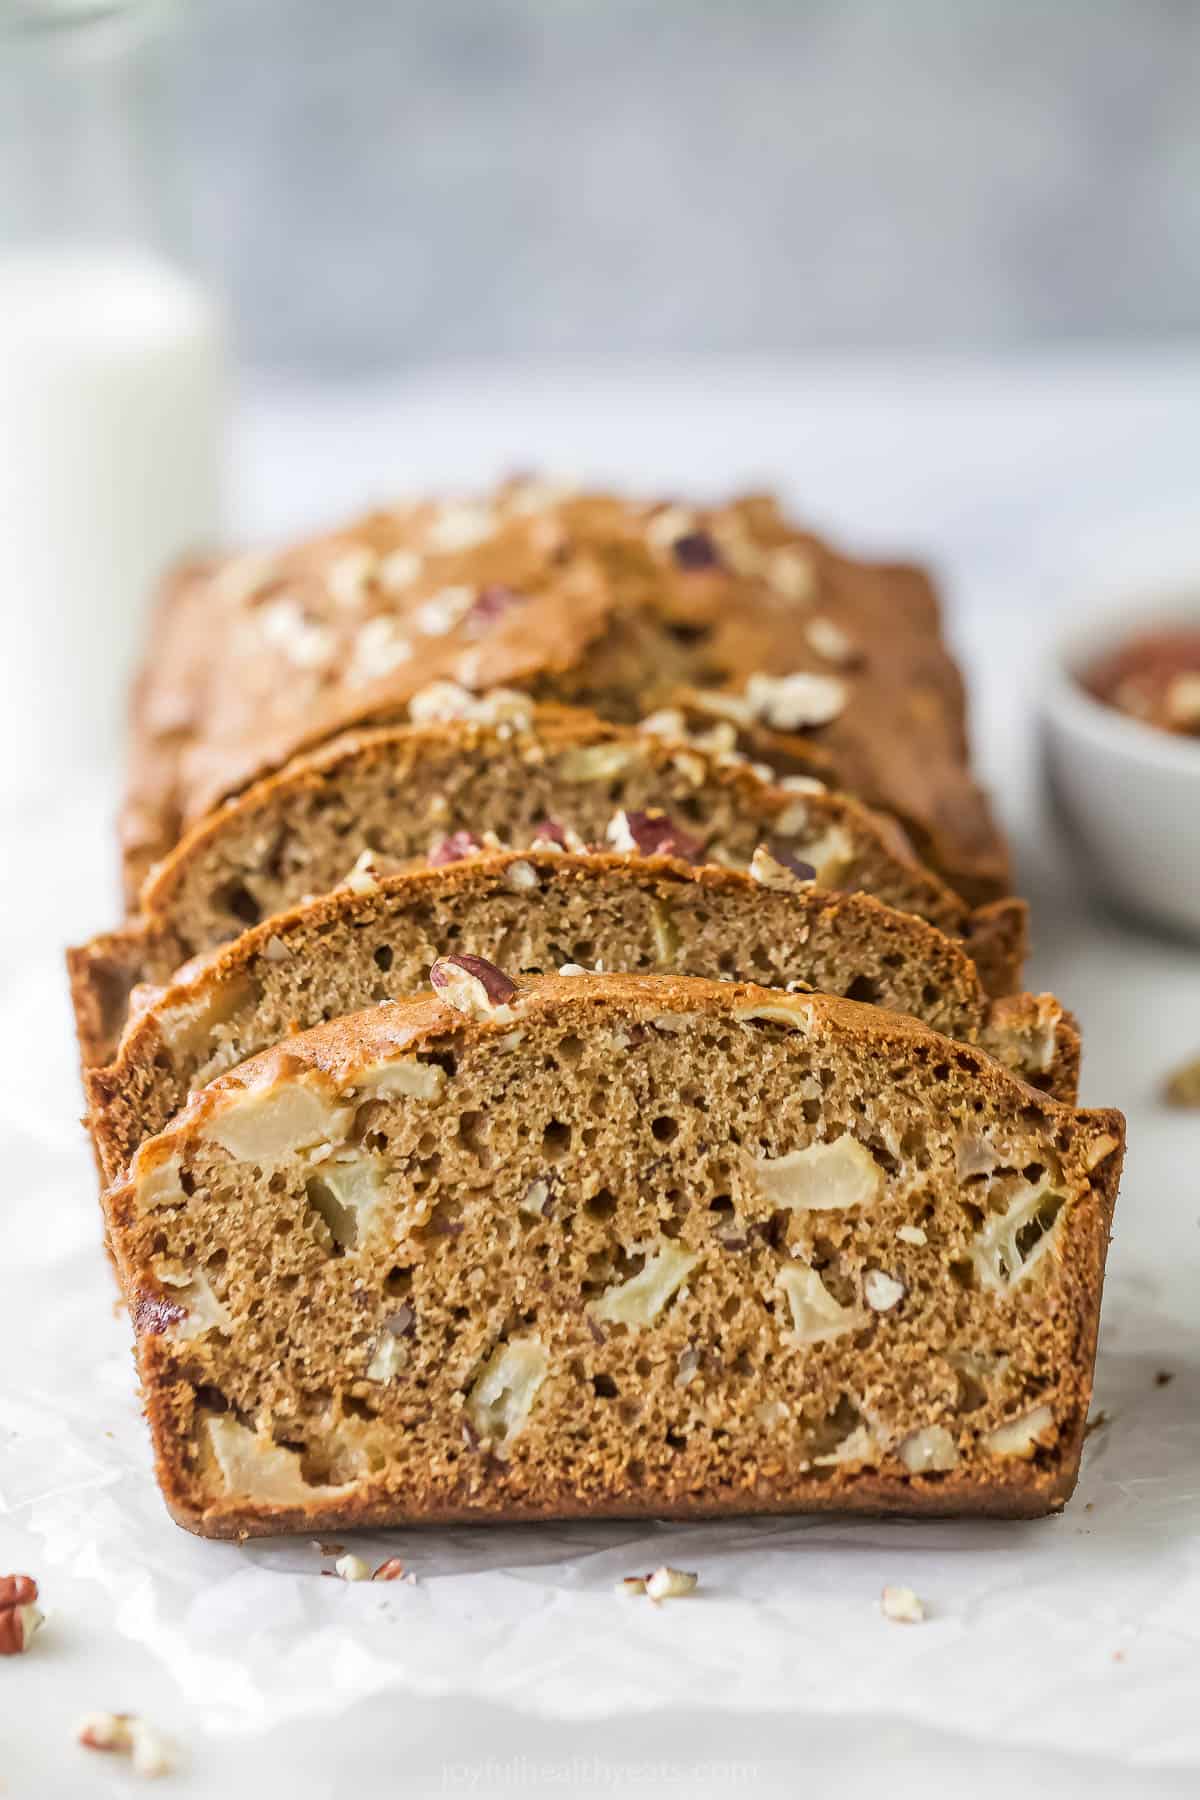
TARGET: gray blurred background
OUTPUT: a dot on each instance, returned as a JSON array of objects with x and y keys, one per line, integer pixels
[{"x": 381, "y": 181}]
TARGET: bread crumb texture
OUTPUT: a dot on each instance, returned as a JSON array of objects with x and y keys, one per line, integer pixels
[{"x": 352, "y": 950}]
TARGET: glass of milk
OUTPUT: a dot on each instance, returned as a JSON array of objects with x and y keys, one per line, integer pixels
[{"x": 112, "y": 377}]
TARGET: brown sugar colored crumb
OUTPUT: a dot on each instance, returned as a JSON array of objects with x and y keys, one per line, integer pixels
[{"x": 379, "y": 801}]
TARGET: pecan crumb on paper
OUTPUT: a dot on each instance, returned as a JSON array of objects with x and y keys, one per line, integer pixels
[{"x": 1182, "y": 1085}]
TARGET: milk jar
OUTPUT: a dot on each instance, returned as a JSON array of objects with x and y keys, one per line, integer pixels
[{"x": 112, "y": 379}]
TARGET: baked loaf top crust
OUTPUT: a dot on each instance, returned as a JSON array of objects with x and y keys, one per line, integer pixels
[
  {"x": 534, "y": 911},
  {"x": 615, "y": 1245},
  {"x": 582, "y": 598}
]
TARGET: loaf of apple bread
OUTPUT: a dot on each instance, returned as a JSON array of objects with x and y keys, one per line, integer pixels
[
  {"x": 536, "y": 910},
  {"x": 610, "y": 1245},
  {"x": 614, "y": 605}
]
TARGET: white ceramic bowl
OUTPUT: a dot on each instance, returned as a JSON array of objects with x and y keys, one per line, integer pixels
[{"x": 1126, "y": 794}]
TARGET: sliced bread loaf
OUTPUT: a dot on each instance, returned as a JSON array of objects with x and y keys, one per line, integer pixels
[
  {"x": 521, "y": 774},
  {"x": 615, "y": 1246},
  {"x": 535, "y": 911}
]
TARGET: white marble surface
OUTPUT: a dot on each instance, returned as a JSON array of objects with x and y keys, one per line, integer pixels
[{"x": 1022, "y": 480}]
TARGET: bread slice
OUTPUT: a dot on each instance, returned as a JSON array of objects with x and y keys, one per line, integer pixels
[
  {"x": 406, "y": 791},
  {"x": 615, "y": 1246},
  {"x": 584, "y": 598},
  {"x": 534, "y": 911}
]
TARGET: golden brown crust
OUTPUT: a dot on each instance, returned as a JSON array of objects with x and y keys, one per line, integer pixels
[
  {"x": 335, "y": 1057},
  {"x": 996, "y": 938},
  {"x": 617, "y": 604},
  {"x": 102, "y": 976},
  {"x": 1020, "y": 1495}
]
